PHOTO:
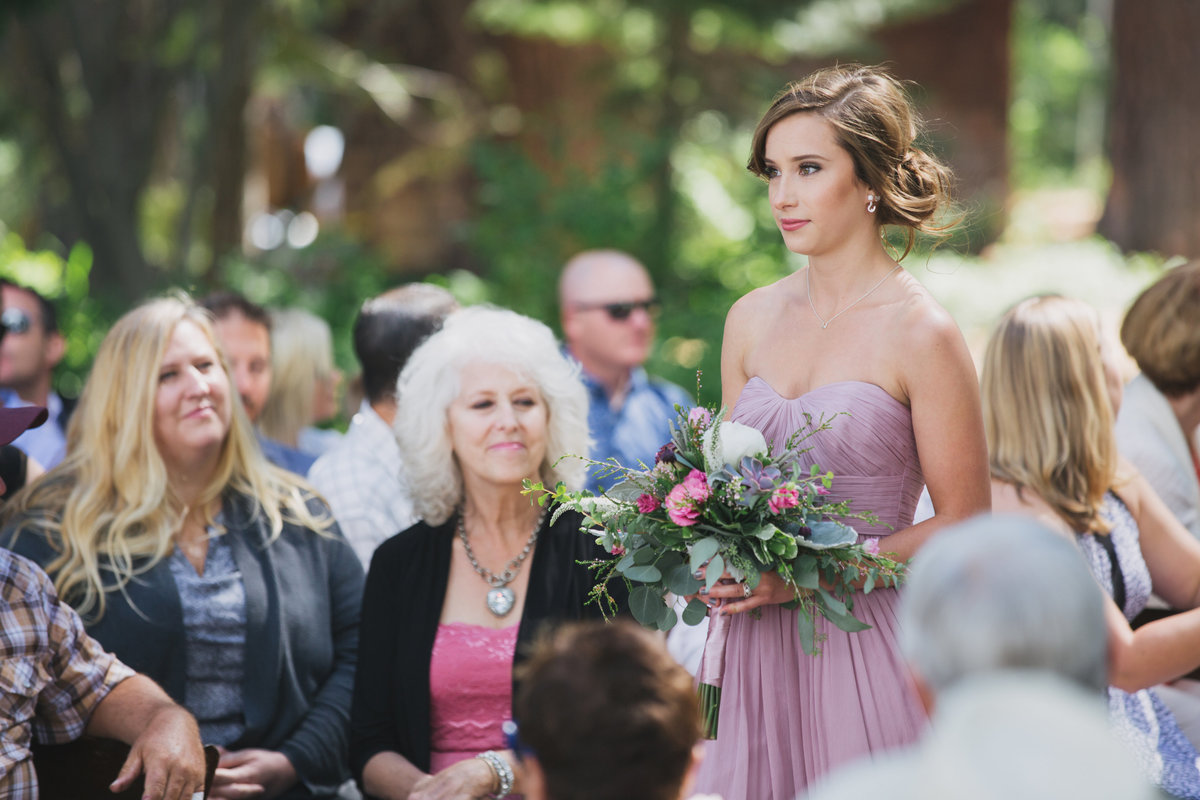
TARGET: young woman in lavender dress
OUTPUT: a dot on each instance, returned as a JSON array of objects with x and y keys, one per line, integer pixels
[{"x": 851, "y": 332}]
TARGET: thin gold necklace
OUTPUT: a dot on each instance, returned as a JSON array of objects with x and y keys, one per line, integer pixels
[{"x": 825, "y": 322}]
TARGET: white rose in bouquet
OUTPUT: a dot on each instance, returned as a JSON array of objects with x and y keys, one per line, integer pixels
[{"x": 729, "y": 443}]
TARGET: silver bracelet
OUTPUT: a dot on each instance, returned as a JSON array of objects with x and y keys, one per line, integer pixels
[{"x": 502, "y": 769}]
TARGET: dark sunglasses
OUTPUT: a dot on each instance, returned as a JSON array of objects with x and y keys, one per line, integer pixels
[
  {"x": 14, "y": 320},
  {"x": 619, "y": 312},
  {"x": 512, "y": 740}
]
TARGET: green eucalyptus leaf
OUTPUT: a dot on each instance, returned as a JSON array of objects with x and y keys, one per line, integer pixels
[
  {"x": 625, "y": 563},
  {"x": 645, "y": 603},
  {"x": 645, "y": 555},
  {"x": 643, "y": 573},
  {"x": 765, "y": 532},
  {"x": 669, "y": 561},
  {"x": 695, "y": 613},
  {"x": 716, "y": 568},
  {"x": 703, "y": 550},
  {"x": 836, "y": 612},
  {"x": 806, "y": 629},
  {"x": 668, "y": 618},
  {"x": 830, "y": 602},
  {"x": 626, "y": 491},
  {"x": 681, "y": 581},
  {"x": 805, "y": 573}
]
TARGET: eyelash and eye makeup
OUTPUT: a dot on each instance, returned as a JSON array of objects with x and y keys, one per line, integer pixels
[{"x": 806, "y": 168}]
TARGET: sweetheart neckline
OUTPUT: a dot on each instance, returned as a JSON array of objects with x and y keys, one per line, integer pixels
[{"x": 822, "y": 387}]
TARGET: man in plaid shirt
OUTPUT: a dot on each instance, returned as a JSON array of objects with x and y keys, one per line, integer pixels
[{"x": 57, "y": 683}]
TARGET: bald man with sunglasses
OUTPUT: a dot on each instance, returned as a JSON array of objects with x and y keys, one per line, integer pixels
[{"x": 608, "y": 307}]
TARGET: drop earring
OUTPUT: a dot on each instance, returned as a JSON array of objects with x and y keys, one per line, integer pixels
[{"x": 871, "y": 204}]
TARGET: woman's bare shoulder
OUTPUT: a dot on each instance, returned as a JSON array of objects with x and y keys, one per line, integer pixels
[
  {"x": 921, "y": 319},
  {"x": 764, "y": 300}
]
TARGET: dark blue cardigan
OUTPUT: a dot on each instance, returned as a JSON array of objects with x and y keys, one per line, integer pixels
[{"x": 303, "y": 593}]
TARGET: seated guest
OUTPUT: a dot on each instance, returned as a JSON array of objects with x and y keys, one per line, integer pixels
[
  {"x": 59, "y": 684},
  {"x": 606, "y": 713},
  {"x": 32, "y": 347},
  {"x": 1050, "y": 396},
  {"x": 1013, "y": 673},
  {"x": 607, "y": 303},
  {"x": 1159, "y": 421},
  {"x": 196, "y": 562},
  {"x": 304, "y": 382},
  {"x": 361, "y": 476},
  {"x": 484, "y": 404},
  {"x": 243, "y": 330}
]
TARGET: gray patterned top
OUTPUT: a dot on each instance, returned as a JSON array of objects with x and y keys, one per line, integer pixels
[{"x": 214, "y": 616}]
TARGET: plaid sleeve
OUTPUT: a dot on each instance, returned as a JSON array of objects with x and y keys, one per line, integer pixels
[{"x": 52, "y": 660}]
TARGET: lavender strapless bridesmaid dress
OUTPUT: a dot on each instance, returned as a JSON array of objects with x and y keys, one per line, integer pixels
[{"x": 788, "y": 718}]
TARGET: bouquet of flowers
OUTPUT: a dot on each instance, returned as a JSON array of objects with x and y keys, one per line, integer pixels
[{"x": 719, "y": 502}]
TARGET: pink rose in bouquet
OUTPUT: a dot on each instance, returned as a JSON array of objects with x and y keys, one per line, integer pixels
[
  {"x": 683, "y": 501},
  {"x": 697, "y": 486},
  {"x": 782, "y": 498},
  {"x": 647, "y": 503},
  {"x": 680, "y": 508},
  {"x": 700, "y": 415}
]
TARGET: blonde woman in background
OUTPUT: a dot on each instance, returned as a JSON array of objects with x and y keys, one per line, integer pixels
[
  {"x": 223, "y": 578},
  {"x": 1050, "y": 395},
  {"x": 304, "y": 382}
]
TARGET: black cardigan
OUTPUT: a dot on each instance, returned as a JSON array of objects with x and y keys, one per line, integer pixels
[{"x": 406, "y": 587}]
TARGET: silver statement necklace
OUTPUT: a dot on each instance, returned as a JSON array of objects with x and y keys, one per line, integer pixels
[
  {"x": 825, "y": 322},
  {"x": 500, "y": 599}
]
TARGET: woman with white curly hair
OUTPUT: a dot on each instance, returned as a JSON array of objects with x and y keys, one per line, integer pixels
[{"x": 484, "y": 404}]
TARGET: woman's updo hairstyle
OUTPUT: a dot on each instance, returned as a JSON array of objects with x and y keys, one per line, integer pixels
[{"x": 875, "y": 123}]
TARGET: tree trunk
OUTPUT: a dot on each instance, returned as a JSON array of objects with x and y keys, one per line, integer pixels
[
  {"x": 230, "y": 93},
  {"x": 1154, "y": 148}
]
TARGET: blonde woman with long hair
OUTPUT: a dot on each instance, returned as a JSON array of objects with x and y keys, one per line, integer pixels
[
  {"x": 1050, "y": 396},
  {"x": 199, "y": 564}
]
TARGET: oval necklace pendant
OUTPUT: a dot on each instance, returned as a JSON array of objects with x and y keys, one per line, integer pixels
[{"x": 500, "y": 600}]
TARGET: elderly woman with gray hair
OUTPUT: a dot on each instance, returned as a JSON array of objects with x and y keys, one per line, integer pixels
[
  {"x": 485, "y": 403},
  {"x": 1003, "y": 629}
]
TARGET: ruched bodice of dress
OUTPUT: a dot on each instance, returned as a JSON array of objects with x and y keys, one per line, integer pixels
[{"x": 869, "y": 447}]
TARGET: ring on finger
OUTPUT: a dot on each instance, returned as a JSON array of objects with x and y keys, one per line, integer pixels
[{"x": 746, "y": 590}]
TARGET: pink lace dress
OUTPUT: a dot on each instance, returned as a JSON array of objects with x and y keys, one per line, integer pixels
[{"x": 470, "y": 689}]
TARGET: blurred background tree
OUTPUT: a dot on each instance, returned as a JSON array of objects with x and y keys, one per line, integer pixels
[{"x": 313, "y": 152}]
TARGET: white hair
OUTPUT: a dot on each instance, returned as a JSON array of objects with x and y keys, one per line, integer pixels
[
  {"x": 1002, "y": 592},
  {"x": 430, "y": 382}
]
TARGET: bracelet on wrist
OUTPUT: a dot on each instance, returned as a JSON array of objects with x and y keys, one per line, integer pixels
[{"x": 501, "y": 769}]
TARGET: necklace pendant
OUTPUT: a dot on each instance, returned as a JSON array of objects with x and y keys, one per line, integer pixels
[
  {"x": 825, "y": 325},
  {"x": 500, "y": 600}
]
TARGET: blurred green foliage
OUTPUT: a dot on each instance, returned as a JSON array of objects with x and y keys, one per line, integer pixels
[
  {"x": 1060, "y": 82},
  {"x": 668, "y": 183},
  {"x": 63, "y": 281}
]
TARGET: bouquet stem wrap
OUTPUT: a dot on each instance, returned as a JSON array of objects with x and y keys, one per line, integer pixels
[{"x": 712, "y": 673}]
